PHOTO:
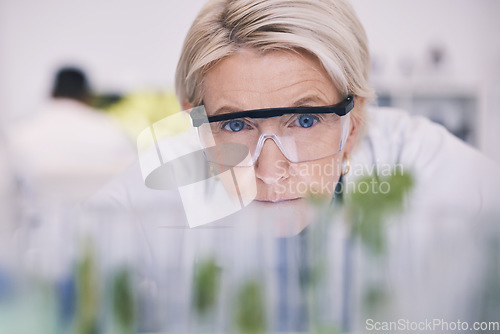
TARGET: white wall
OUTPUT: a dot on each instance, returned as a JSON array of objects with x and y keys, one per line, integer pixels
[
  {"x": 124, "y": 44},
  {"x": 468, "y": 29},
  {"x": 127, "y": 44},
  {"x": 405, "y": 29}
]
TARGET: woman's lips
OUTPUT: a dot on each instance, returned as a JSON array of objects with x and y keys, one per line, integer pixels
[{"x": 277, "y": 200}]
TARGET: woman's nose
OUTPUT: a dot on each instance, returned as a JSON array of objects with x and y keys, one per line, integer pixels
[{"x": 271, "y": 165}]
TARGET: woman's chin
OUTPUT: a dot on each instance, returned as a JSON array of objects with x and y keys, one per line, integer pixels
[{"x": 284, "y": 217}]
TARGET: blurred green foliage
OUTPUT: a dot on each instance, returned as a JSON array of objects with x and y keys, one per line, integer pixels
[
  {"x": 375, "y": 298},
  {"x": 368, "y": 210},
  {"x": 206, "y": 286},
  {"x": 326, "y": 330},
  {"x": 87, "y": 308},
  {"x": 124, "y": 308},
  {"x": 250, "y": 313}
]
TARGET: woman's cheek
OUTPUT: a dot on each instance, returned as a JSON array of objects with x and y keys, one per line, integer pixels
[
  {"x": 240, "y": 182},
  {"x": 319, "y": 177}
]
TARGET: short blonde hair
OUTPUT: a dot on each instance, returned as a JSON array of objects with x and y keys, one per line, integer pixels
[{"x": 327, "y": 29}]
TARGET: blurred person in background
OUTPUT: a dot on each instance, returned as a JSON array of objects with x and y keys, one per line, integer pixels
[{"x": 66, "y": 150}]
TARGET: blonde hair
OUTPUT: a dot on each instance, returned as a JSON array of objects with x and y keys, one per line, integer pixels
[{"x": 327, "y": 29}]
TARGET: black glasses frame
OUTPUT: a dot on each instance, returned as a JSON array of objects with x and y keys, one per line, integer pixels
[{"x": 343, "y": 108}]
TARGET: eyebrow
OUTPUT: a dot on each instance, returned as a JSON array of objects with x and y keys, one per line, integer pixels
[
  {"x": 307, "y": 100},
  {"x": 226, "y": 110}
]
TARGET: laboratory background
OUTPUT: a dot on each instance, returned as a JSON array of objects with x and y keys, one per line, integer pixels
[{"x": 436, "y": 58}]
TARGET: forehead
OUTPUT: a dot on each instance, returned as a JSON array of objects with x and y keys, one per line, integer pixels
[{"x": 251, "y": 80}]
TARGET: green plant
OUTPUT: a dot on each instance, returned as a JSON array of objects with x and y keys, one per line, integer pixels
[
  {"x": 123, "y": 302},
  {"x": 87, "y": 307},
  {"x": 250, "y": 309},
  {"x": 368, "y": 210},
  {"x": 206, "y": 284}
]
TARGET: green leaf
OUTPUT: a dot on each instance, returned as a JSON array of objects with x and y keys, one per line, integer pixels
[
  {"x": 373, "y": 200},
  {"x": 250, "y": 309},
  {"x": 123, "y": 301},
  {"x": 206, "y": 284},
  {"x": 86, "y": 321}
]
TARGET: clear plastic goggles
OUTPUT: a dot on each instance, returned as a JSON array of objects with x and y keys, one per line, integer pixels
[{"x": 301, "y": 133}]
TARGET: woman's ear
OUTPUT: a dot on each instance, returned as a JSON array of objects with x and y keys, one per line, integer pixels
[
  {"x": 356, "y": 124},
  {"x": 353, "y": 136}
]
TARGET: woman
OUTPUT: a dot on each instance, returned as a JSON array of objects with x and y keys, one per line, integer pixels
[{"x": 255, "y": 59}]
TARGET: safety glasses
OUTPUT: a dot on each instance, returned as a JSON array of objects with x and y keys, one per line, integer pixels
[{"x": 301, "y": 133}]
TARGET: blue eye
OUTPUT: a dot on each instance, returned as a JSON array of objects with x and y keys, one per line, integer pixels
[
  {"x": 234, "y": 125},
  {"x": 306, "y": 121}
]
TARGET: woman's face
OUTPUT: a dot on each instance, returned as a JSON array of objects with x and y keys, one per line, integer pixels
[{"x": 248, "y": 80}]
